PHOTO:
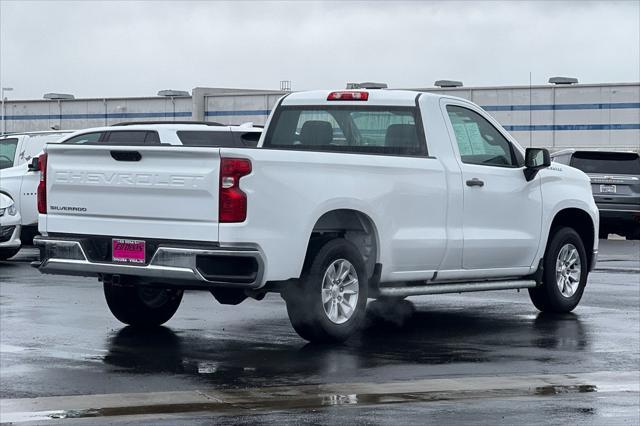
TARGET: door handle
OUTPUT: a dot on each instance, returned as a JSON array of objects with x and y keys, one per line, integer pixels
[
  {"x": 475, "y": 182},
  {"x": 126, "y": 155}
]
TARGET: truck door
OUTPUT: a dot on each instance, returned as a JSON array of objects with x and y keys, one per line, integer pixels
[{"x": 502, "y": 211}]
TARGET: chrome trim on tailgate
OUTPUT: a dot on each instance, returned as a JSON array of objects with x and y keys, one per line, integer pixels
[{"x": 168, "y": 263}]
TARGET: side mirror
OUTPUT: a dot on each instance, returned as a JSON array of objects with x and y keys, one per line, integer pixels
[
  {"x": 34, "y": 165},
  {"x": 535, "y": 159}
]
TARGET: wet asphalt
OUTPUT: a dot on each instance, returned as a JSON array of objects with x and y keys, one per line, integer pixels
[{"x": 57, "y": 337}]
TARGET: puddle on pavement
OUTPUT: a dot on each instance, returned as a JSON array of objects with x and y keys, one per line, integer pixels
[
  {"x": 241, "y": 401},
  {"x": 555, "y": 390}
]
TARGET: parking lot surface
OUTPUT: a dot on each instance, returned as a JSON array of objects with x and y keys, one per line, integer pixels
[{"x": 450, "y": 358}]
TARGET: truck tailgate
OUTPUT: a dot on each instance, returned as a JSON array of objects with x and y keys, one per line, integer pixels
[{"x": 161, "y": 192}]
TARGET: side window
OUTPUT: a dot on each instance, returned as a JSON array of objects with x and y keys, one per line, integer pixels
[
  {"x": 562, "y": 159},
  {"x": 207, "y": 138},
  {"x": 152, "y": 138},
  {"x": 131, "y": 137},
  {"x": 7, "y": 152},
  {"x": 247, "y": 138},
  {"x": 478, "y": 141},
  {"x": 86, "y": 138}
]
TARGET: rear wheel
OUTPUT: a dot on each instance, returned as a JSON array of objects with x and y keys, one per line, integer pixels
[
  {"x": 565, "y": 273},
  {"x": 328, "y": 303},
  {"x": 142, "y": 306},
  {"x": 6, "y": 253}
]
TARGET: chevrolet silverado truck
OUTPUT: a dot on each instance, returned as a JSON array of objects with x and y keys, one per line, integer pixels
[{"x": 349, "y": 195}]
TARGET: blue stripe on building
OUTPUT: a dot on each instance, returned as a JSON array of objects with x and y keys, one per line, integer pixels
[
  {"x": 561, "y": 107},
  {"x": 561, "y": 127},
  {"x": 236, "y": 113},
  {"x": 99, "y": 116}
]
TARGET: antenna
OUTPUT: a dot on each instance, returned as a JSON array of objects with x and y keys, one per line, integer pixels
[
  {"x": 530, "y": 113},
  {"x": 285, "y": 85}
]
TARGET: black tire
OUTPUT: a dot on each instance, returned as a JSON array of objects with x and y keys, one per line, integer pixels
[
  {"x": 548, "y": 297},
  {"x": 141, "y": 306},
  {"x": 304, "y": 299},
  {"x": 7, "y": 253}
]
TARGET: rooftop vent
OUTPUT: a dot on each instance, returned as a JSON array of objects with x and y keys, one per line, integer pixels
[
  {"x": 173, "y": 93},
  {"x": 563, "y": 80},
  {"x": 367, "y": 85},
  {"x": 58, "y": 96},
  {"x": 448, "y": 83}
]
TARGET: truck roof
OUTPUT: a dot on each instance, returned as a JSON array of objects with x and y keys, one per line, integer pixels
[{"x": 376, "y": 97}]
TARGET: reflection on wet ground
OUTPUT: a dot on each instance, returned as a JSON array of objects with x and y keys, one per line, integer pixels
[{"x": 420, "y": 337}]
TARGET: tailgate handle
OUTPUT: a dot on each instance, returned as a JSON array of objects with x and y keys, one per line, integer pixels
[{"x": 126, "y": 155}]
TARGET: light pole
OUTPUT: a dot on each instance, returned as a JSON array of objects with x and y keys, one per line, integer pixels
[{"x": 4, "y": 124}]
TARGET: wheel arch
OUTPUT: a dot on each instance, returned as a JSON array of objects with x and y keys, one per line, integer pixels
[
  {"x": 351, "y": 224},
  {"x": 580, "y": 221}
]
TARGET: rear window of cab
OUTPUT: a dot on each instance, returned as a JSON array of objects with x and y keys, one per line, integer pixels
[{"x": 372, "y": 130}]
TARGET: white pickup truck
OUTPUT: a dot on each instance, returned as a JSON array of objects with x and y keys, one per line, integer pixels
[{"x": 349, "y": 195}]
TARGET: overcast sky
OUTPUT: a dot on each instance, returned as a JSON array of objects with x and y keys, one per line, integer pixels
[{"x": 95, "y": 49}]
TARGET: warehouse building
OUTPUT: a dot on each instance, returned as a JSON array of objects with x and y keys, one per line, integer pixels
[{"x": 558, "y": 115}]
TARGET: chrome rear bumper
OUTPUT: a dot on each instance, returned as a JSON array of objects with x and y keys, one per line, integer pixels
[{"x": 168, "y": 264}]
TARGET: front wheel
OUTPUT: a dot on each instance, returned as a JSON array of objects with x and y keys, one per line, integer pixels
[
  {"x": 328, "y": 303},
  {"x": 142, "y": 306},
  {"x": 565, "y": 273}
]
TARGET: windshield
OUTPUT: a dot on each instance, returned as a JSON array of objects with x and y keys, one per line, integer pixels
[
  {"x": 7, "y": 152},
  {"x": 383, "y": 130},
  {"x": 625, "y": 163}
]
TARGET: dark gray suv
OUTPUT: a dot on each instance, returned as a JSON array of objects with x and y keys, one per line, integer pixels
[{"x": 615, "y": 182}]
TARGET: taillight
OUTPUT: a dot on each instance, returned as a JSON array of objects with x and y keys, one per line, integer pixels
[
  {"x": 233, "y": 202},
  {"x": 348, "y": 96},
  {"x": 42, "y": 185}
]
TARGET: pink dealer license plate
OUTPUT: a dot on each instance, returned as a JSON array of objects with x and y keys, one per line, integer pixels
[{"x": 128, "y": 251}]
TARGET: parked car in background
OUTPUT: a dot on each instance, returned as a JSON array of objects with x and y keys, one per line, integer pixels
[
  {"x": 187, "y": 133},
  {"x": 350, "y": 195},
  {"x": 615, "y": 182},
  {"x": 18, "y": 148},
  {"x": 20, "y": 180},
  {"x": 16, "y": 151},
  {"x": 9, "y": 227}
]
